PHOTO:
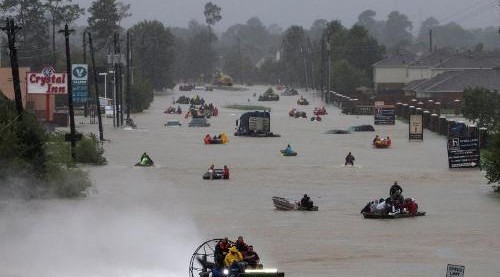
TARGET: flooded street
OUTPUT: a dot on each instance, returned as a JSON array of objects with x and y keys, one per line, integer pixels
[{"x": 148, "y": 221}]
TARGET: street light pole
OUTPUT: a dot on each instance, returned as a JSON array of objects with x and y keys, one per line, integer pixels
[{"x": 115, "y": 110}]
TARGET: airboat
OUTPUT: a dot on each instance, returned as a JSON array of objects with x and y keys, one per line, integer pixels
[{"x": 203, "y": 262}]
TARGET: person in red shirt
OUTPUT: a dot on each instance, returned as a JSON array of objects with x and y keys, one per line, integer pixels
[{"x": 225, "y": 173}]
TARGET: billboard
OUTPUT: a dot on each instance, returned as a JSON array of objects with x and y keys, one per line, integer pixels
[
  {"x": 79, "y": 83},
  {"x": 416, "y": 130},
  {"x": 463, "y": 152},
  {"x": 385, "y": 115},
  {"x": 47, "y": 82}
]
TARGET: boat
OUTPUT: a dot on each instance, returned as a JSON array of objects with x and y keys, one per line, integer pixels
[
  {"x": 269, "y": 95},
  {"x": 218, "y": 174},
  {"x": 320, "y": 111},
  {"x": 206, "y": 258},
  {"x": 383, "y": 143},
  {"x": 284, "y": 204},
  {"x": 290, "y": 92},
  {"x": 302, "y": 101},
  {"x": 390, "y": 215},
  {"x": 222, "y": 138},
  {"x": 297, "y": 114},
  {"x": 288, "y": 154},
  {"x": 199, "y": 122}
]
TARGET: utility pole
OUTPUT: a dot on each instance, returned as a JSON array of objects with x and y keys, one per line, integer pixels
[
  {"x": 86, "y": 104},
  {"x": 10, "y": 28},
  {"x": 305, "y": 65},
  {"x": 117, "y": 78},
  {"x": 241, "y": 67},
  {"x": 127, "y": 92},
  {"x": 66, "y": 33},
  {"x": 322, "y": 69},
  {"x": 430, "y": 40},
  {"x": 329, "y": 84},
  {"x": 96, "y": 86},
  {"x": 311, "y": 67}
]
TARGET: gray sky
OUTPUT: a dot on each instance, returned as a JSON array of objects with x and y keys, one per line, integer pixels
[{"x": 468, "y": 13}]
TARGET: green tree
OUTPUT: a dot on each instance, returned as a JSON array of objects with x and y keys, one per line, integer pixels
[
  {"x": 491, "y": 159},
  {"x": 103, "y": 22},
  {"x": 481, "y": 106},
  {"x": 397, "y": 29},
  {"x": 153, "y": 50},
  {"x": 212, "y": 13},
  {"x": 61, "y": 11},
  {"x": 452, "y": 35},
  {"x": 367, "y": 20},
  {"x": 422, "y": 41},
  {"x": 34, "y": 44},
  {"x": 42, "y": 161},
  {"x": 293, "y": 45}
]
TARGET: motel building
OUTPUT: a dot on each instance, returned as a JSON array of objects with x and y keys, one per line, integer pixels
[{"x": 38, "y": 90}]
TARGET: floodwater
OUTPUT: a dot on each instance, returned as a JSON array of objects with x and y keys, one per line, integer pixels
[{"x": 148, "y": 221}]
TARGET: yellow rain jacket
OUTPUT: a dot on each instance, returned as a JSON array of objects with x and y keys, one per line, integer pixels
[{"x": 233, "y": 255}]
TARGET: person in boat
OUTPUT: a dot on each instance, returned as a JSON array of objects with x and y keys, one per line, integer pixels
[
  {"x": 306, "y": 202},
  {"x": 220, "y": 252},
  {"x": 208, "y": 139},
  {"x": 241, "y": 245},
  {"x": 395, "y": 193},
  {"x": 145, "y": 159},
  {"x": 388, "y": 141},
  {"x": 225, "y": 172},
  {"x": 411, "y": 206},
  {"x": 376, "y": 139},
  {"x": 130, "y": 122},
  {"x": 288, "y": 149},
  {"x": 233, "y": 256},
  {"x": 179, "y": 111},
  {"x": 396, "y": 199},
  {"x": 211, "y": 171},
  {"x": 349, "y": 159},
  {"x": 251, "y": 258},
  {"x": 235, "y": 269}
]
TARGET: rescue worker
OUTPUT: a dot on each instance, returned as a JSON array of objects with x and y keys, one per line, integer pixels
[
  {"x": 306, "y": 202},
  {"x": 349, "y": 159},
  {"x": 233, "y": 256},
  {"x": 145, "y": 160}
]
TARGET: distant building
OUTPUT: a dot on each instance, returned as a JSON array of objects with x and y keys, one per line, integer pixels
[
  {"x": 447, "y": 86},
  {"x": 442, "y": 75},
  {"x": 391, "y": 73}
]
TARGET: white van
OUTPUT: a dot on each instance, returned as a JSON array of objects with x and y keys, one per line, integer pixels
[{"x": 108, "y": 111}]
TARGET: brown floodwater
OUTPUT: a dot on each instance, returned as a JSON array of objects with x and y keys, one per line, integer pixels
[{"x": 148, "y": 221}]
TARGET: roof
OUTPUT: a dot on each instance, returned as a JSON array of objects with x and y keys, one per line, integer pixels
[
  {"x": 448, "y": 59},
  {"x": 432, "y": 59},
  {"x": 397, "y": 60},
  {"x": 457, "y": 81}
]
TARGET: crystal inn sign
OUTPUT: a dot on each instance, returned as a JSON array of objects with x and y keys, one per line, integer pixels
[{"x": 47, "y": 82}]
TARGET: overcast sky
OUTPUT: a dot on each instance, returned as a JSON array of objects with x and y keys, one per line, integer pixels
[{"x": 468, "y": 13}]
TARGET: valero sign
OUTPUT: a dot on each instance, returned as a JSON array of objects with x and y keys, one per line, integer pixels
[{"x": 47, "y": 82}]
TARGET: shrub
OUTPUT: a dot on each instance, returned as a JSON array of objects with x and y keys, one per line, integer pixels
[{"x": 89, "y": 151}]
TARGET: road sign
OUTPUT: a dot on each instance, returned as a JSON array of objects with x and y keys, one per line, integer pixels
[
  {"x": 455, "y": 270},
  {"x": 415, "y": 127},
  {"x": 80, "y": 82}
]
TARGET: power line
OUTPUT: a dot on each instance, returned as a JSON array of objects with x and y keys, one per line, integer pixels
[
  {"x": 476, "y": 12},
  {"x": 465, "y": 10}
]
